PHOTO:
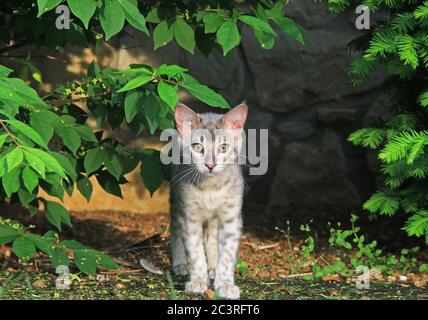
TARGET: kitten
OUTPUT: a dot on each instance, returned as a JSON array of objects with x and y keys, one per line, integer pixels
[{"x": 206, "y": 200}]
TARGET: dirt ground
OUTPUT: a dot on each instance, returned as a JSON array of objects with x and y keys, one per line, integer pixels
[{"x": 139, "y": 243}]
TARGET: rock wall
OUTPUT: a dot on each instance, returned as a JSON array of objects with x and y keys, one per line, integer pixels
[{"x": 301, "y": 93}]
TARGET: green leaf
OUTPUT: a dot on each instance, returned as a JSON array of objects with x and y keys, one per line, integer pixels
[
  {"x": 8, "y": 233},
  {"x": 83, "y": 9},
  {"x": 73, "y": 245},
  {"x": 28, "y": 132},
  {"x": 5, "y": 71},
  {"x": 257, "y": 24},
  {"x": 170, "y": 70},
  {"x": 109, "y": 184},
  {"x": 46, "y": 5},
  {"x": 133, "y": 102},
  {"x": 35, "y": 163},
  {"x": 152, "y": 171},
  {"x": 204, "y": 93},
  {"x": 65, "y": 163},
  {"x": 151, "y": 112},
  {"x": 113, "y": 163},
  {"x": 136, "y": 82},
  {"x": 44, "y": 121},
  {"x": 93, "y": 160},
  {"x": 290, "y": 27},
  {"x": 168, "y": 93},
  {"x": 162, "y": 34},
  {"x": 25, "y": 197},
  {"x": 106, "y": 262},
  {"x": 57, "y": 214},
  {"x": 14, "y": 158},
  {"x": 18, "y": 93},
  {"x": 24, "y": 248},
  {"x": 228, "y": 36},
  {"x": 212, "y": 22},
  {"x": 184, "y": 35},
  {"x": 70, "y": 137},
  {"x": 266, "y": 40},
  {"x": 41, "y": 243},
  {"x": 3, "y": 139},
  {"x": 86, "y": 133},
  {"x": 51, "y": 164},
  {"x": 87, "y": 260},
  {"x": 59, "y": 257},
  {"x": 112, "y": 18},
  {"x": 11, "y": 181},
  {"x": 85, "y": 187},
  {"x": 30, "y": 178},
  {"x": 133, "y": 15}
]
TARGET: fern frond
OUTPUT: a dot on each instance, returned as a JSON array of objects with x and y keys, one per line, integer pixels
[
  {"x": 404, "y": 22},
  {"x": 403, "y": 122},
  {"x": 417, "y": 225},
  {"x": 423, "y": 99},
  {"x": 361, "y": 68},
  {"x": 407, "y": 50},
  {"x": 383, "y": 203},
  {"x": 395, "y": 172},
  {"x": 367, "y": 137},
  {"x": 382, "y": 43},
  {"x": 421, "y": 12},
  {"x": 406, "y": 145}
]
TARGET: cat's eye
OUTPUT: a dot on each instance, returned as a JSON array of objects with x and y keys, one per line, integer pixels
[
  {"x": 223, "y": 148},
  {"x": 198, "y": 147}
]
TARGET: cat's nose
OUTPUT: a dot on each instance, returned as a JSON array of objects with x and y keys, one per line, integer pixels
[{"x": 210, "y": 165}]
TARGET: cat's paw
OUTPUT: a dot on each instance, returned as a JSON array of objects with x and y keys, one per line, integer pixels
[
  {"x": 211, "y": 274},
  {"x": 180, "y": 270},
  {"x": 228, "y": 291},
  {"x": 196, "y": 287}
]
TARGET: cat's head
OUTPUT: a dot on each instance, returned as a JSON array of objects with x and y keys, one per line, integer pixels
[{"x": 212, "y": 140}]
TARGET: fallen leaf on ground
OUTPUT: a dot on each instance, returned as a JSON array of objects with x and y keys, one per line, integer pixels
[
  {"x": 335, "y": 293},
  {"x": 39, "y": 284},
  {"x": 331, "y": 277},
  {"x": 209, "y": 294},
  {"x": 120, "y": 286}
]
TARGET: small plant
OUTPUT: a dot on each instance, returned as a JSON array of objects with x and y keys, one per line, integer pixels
[
  {"x": 355, "y": 251},
  {"x": 242, "y": 267},
  {"x": 397, "y": 43},
  {"x": 46, "y": 143}
]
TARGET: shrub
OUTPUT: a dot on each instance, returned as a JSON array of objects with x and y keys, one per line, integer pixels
[
  {"x": 45, "y": 144},
  {"x": 399, "y": 44}
]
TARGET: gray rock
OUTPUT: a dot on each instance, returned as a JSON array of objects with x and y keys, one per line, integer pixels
[
  {"x": 313, "y": 178},
  {"x": 259, "y": 120},
  {"x": 327, "y": 114},
  {"x": 295, "y": 130},
  {"x": 293, "y": 76}
]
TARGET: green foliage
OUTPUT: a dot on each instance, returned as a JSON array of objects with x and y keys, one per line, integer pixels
[
  {"x": 46, "y": 143},
  {"x": 193, "y": 24},
  {"x": 29, "y": 125},
  {"x": 399, "y": 43},
  {"x": 353, "y": 250}
]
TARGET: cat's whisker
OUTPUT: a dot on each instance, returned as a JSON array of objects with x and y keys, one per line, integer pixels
[{"x": 187, "y": 173}]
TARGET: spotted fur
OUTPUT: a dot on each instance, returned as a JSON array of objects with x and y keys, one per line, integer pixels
[{"x": 206, "y": 206}]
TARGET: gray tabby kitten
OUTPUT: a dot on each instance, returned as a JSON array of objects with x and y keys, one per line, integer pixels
[{"x": 206, "y": 200}]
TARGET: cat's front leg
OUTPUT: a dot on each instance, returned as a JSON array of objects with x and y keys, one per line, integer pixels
[
  {"x": 229, "y": 235},
  {"x": 194, "y": 245}
]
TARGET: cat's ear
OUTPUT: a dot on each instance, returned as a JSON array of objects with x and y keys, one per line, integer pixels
[
  {"x": 235, "y": 118},
  {"x": 183, "y": 115}
]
